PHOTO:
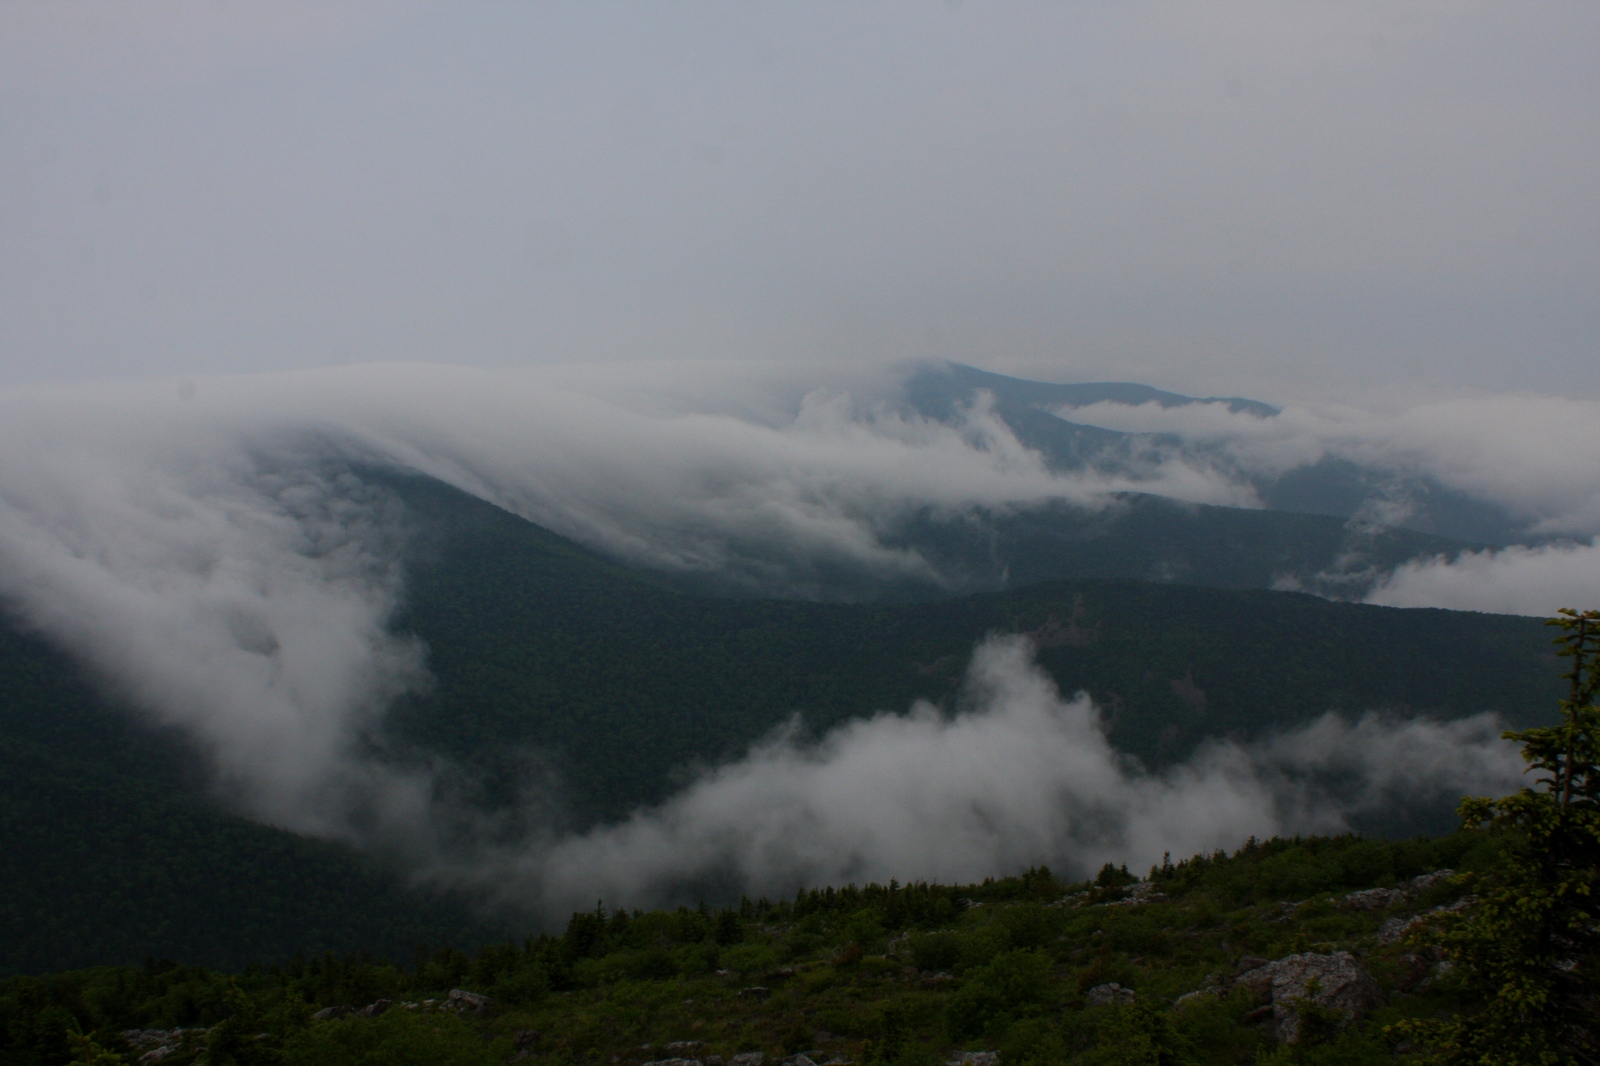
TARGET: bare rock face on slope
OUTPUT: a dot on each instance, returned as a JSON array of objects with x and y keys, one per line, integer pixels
[{"x": 1333, "y": 983}]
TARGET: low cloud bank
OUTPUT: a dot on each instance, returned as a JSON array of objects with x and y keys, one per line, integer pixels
[
  {"x": 1516, "y": 580},
  {"x": 1017, "y": 777},
  {"x": 206, "y": 551},
  {"x": 1537, "y": 457}
]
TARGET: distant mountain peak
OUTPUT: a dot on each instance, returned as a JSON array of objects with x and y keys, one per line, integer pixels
[{"x": 939, "y": 387}]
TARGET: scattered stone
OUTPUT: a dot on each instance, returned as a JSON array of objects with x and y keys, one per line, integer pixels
[
  {"x": 1141, "y": 892},
  {"x": 675, "y": 1062},
  {"x": 755, "y": 992},
  {"x": 976, "y": 1058},
  {"x": 1395, "y": 929},
  {"x": 1108, "y": 995},
  {"x": 330, "y": 1013},
  {"x": 682, "y": 1047},
  {"x": 524, "y": 1039},
  {"x": 778, "y": 977},
  {"x": 748, "y": 1058},
  {"x": 463, "y": 1002},
  {"x": 152, "y": 1038},
  {"x": 1373, "y": 899},
  {"x": 937, "y": 980},
  {"x": 1286, "y": 912},
  {"x": 1199, "y": 995},
  {"x": 373, "y": 1009},
  {"x": 157, "y": 1044},
  {"x": 1376, "y": 899},
  {"x": 713, "y": 1060}
]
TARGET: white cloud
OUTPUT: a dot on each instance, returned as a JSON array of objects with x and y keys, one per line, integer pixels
[
  {"x": 1018, "y": 777},
  {"x": 1515, "y": 580}
]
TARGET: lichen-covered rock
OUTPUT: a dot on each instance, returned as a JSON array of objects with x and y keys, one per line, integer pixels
[
  {"x": 1335, "y": 983},
  {"x": 373, "y": 1009},
  {"x": 748, "y": 1058},
  {"x": 463, "y": 1002},
  {"x": 1108, "y": 995}
]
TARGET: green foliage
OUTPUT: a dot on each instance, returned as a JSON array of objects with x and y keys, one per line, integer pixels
[
  {"x": 852, "y": 980},
  {"x": 1528, "y": 951},
  {"x": 395, "y": 1038}
]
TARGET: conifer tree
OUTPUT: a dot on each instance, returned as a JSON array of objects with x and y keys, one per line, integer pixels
[{"x": 1528, "y": 949}]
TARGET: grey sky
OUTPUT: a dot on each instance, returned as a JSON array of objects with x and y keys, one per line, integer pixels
[{"x": 1270, "y": 199}]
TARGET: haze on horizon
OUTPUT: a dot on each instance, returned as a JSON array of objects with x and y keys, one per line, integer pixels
[{"x": 1283, "y": 201}]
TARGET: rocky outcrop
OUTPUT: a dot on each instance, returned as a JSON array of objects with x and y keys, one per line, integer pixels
[
  {"x": 1377, "y": 899},
  {"x": 1108, "y": 995},
  {"x": 747, "y": 1058},
  {"x": 463, "y": 1002},
  {"x": 1334, "y": 983},
  {"x": 1139, "y": 892},
  {"x": 1373, "y": 899},
  {"x": 1395, "y": 929},
  {"x": 156, "y": 1044}
]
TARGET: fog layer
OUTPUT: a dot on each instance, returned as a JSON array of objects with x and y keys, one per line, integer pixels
[{"x": 204, "y": 547}]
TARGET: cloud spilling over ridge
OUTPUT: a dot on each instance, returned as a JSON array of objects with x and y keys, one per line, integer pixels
[
  {"x": 1536, "y": 456},
  {"x": 1516, "y": 580},
  {"x": 207, "y": 551},
  {"x": 239, "y": 595},
  {"x": 1017, "y": 777}
]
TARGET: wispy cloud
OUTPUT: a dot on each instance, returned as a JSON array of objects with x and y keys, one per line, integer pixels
[{"x": 1018, "y": 776}]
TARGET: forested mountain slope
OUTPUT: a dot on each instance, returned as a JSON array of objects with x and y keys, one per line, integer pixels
[
  {"x": 537, "y": 644},
  {"x": 113, "y": 851}
]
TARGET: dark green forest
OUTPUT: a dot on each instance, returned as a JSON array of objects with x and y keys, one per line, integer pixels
[{"x": 538, "y": 644}]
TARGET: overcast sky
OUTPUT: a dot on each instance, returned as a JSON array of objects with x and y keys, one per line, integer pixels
[{"x": 1274, "y": 199}]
